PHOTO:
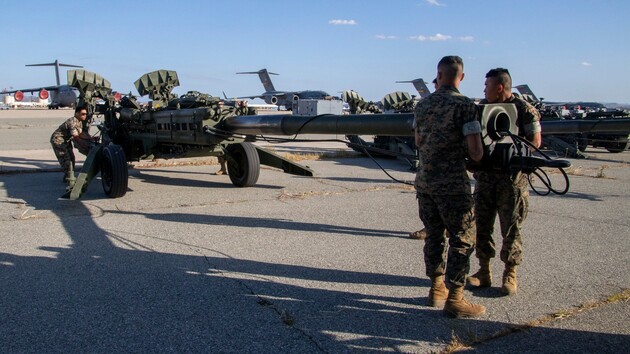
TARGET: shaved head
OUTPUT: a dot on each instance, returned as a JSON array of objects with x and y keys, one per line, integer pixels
[
  {"x": 498, "y": 85},
  {"x": 502, "y": 76},
  {"x": 451, "y": 67}
]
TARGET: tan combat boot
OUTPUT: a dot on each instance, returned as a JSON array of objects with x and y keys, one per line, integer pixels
[
  {"x": 483, "y": 277},
  {"x": 509, "y": 280},
  {"x": 457, "y": 307},
  {"x": 438, "y": 293}
]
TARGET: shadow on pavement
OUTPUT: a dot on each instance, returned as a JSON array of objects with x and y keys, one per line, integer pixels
[{"x": 93, "y": 296}]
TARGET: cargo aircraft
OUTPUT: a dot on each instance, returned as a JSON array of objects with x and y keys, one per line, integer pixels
[
  {"x": 420, "y": 85},
  {"x": 528, "y": 95},
  {"x": 60, "y": 95},
  {"x": 282, "y": 98}
]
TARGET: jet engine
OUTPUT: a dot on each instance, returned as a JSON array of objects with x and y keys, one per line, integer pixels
[
  {"x": 19, "y": 96},
  {"x": 43, "y": 94}
]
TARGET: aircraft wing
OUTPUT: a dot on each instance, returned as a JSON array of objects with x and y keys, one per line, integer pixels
[
  {"x": 31, "y": 90},
  {"x": 250, "y": 97},
  {"x": 282, "y": 94},
  {"x": 276, "y": 94}
]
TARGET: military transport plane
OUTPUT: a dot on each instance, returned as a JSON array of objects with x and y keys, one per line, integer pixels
[
  {"x": 281, "y": 98},
  {"x": 528, "y": 95},
  {"x": 60, "y": 95},
  {"x": 420, "y": 86}
]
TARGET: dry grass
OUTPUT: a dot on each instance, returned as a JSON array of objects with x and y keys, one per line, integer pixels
[
  {"x": 319, "y": 156},
  {"x": 211, "y": 160},
  {"x": 24, "y": 214},
  {"x": 457, "y": 344},
  {"x": 284, "y": 195},
  {"x": 600, "y": 171},
  {"x": 174, "y": 162},
  {"x": 574, "y": 171},
  {"x": 594, "y": 172}
]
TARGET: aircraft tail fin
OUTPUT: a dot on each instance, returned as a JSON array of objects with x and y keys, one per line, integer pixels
[
  {"x": 263, "y": 74},
  {"x": 527, "y": 93},
  {"x": 56, "y": 64},
  {"x": 420, "y": 86}
]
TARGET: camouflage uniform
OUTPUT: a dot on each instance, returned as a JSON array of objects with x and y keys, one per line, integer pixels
[
  {"x": 61, "y": 141},
  {"x": 504, "y": 194},
  {"x": 444, "y": 197}
]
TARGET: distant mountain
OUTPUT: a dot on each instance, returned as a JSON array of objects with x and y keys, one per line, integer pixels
[{"x": 623, "y": 106}]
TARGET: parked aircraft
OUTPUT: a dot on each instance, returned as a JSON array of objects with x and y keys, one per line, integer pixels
[
  {"x": 281, "y": 98},
  {"x": 528, "y": 95},
  {"x": 420, "y": 86},
  {"x": 60, "y": 95}
]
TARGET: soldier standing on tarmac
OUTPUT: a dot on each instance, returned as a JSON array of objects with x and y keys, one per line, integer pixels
[
  {"x": 222, "y": 161},
  {"x": 503, "y": 193},
  {"x": 447, "y": 131},
  {"x": 61, "y": 141},
  {"x": 422, "y": 233}
]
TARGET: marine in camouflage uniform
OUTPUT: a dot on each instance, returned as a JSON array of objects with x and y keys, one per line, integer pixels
[
  {"x": 61, "y": 141},
  {"x": 445, "y": 122},
  {"x": 504, "y": 194},
  {"x": 444, "y": 193}
]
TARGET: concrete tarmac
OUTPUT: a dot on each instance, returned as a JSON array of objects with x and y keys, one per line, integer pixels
[{"x": 186, "y": 262}]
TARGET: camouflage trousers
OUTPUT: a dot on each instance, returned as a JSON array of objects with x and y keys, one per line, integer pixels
[
  {"x": 63, "y": 151},
  {"x": 447, "y": 253},
  {"x": 506, "y": 196}
]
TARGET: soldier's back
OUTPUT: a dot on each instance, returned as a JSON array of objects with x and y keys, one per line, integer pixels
[{"x": 440, "y": 119}]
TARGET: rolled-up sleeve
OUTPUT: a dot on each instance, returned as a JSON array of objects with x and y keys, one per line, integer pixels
[{"x": 473, "y": 127}]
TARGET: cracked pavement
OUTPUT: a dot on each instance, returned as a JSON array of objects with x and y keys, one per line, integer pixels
[{"x": 185, "y": 262}]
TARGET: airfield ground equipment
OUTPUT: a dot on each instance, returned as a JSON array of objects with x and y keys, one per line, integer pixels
[
  {"x": 197, "y": 124},
  {"x": 615, "y": 142},
  {"x": 387, "y": 146}
]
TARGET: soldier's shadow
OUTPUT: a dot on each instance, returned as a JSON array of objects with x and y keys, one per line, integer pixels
[{"x": 76, "y": 278}]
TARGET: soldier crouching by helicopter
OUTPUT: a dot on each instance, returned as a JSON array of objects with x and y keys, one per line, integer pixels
[{"x": 73, "y": 129}]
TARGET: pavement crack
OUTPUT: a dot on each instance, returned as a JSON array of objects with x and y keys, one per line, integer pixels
[
  {"x": 121, "y": 208},
  {"x": 285, "y": 316},
  {"x": 458, "y": 344}
]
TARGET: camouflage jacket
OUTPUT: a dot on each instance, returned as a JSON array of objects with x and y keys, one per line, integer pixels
[
  {"x": 72, "y": 126},
  {"x": 443, "y": 119},
  {"x": 528, "y": 117},
  {"x": 528, "y": 123}
]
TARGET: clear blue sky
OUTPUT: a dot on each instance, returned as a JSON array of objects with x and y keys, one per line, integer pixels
[{"x": 564, "y": 49}]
